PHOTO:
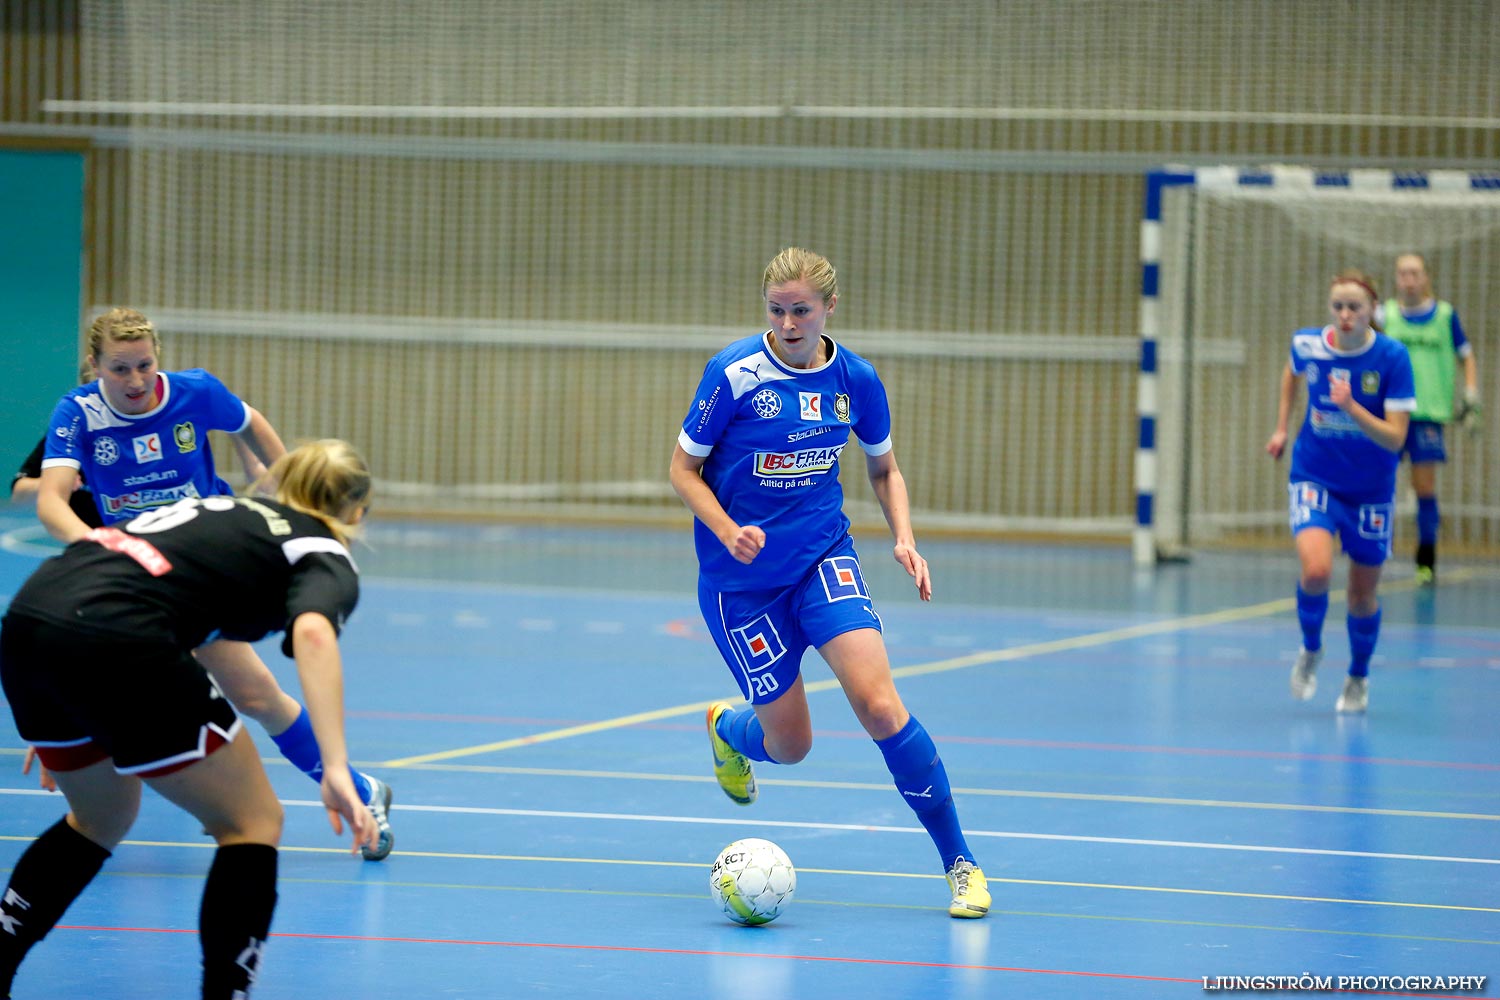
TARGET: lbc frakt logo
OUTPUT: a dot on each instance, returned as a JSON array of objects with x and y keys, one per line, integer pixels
[{"x": 147, "y": 448}]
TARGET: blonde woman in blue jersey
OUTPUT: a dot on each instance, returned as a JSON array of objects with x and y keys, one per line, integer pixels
[
  {"x": 757, "y": 463},
  {"x": 139, "y": 437},
  {"x": 1360, "y": 396},
  {"x": 1435, "y": 339}
]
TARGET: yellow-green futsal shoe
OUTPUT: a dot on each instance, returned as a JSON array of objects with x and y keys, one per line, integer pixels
[{"x": 731, "y": 767}]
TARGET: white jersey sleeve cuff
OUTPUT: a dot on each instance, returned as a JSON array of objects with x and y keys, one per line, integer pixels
[
  {"x": 692, "y": 447},
  {"x": 1401, "y": 405},
  {"x": 58, "y": 463},
  {"x": 877, "y": 449}
]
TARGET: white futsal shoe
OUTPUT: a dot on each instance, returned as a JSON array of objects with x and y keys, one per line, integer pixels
[
  {"x": 1355, "y": 696},
  {"x": 1305, "y": 674},
  {"x": 380, "y": 808}
]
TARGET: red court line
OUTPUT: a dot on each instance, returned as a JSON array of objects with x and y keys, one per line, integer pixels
[
  {"x": 726, "y": 954},
  {"x": 646, "y": 951}
]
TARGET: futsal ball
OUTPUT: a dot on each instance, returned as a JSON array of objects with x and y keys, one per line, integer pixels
[{"x": 752, "y": 880}]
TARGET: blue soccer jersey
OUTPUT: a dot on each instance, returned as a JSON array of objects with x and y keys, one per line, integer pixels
[
  {"x": 138, "y": 462},
  {"x": 772, "y": 436},
  {"x": 1331, "y": 450}
]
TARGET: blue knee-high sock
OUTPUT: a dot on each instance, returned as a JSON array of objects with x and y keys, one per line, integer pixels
[
  {"x": 298, "y": 745},
  {"x": 1311, "y": 610},
  {"x": 741, "y": 729},
  {"x": 1363, "y": 633},
  {"x": 1428, "y": 520},
  {"x": 922, "y": 781}
]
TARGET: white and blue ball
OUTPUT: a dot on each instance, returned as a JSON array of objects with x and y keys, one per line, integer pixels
[{"x": 752, "y": 880}]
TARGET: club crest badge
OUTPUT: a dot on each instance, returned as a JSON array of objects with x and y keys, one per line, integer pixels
[
  {"x": 841, "y": 406},
  {"x": 766, "y": 403}
]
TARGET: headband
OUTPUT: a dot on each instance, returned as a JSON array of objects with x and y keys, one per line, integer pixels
[{"x": 1374, "y": 296}]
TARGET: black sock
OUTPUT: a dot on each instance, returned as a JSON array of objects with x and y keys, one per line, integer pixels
[
  {"x": 47, "y": 878},
  {"x": 236, "y": 917},
  {"x": 1427, "y": 554}
]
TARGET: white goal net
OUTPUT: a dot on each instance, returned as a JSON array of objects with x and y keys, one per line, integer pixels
[{"x": 1246, "y": 258}]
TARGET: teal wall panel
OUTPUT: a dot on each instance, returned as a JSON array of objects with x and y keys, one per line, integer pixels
[{"x": 41, "y": 273}]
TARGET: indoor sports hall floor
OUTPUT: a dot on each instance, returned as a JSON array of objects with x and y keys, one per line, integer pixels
[{"x": 1150, "y": 805}]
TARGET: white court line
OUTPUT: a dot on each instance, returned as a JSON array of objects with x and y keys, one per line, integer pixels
[
  {"x": 19, "y": 541},
  {"x": 868, "y": 828}
]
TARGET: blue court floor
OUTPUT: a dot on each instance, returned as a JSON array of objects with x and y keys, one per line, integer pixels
[{"x": 1149, "y": 803}]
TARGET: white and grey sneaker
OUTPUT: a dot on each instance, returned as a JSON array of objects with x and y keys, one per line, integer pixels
[
  {"x": 380, "y": 808},
  {"x": 1305, "y": 674},
  {"x": 1355, "y": 696},
  {"x": 971, "y": 893}
]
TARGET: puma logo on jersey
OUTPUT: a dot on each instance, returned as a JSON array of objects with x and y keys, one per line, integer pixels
[{"x": 752, "y": 371}]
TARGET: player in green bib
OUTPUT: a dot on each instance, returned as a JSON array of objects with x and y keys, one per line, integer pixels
[{"x": 1434, "y": 338}]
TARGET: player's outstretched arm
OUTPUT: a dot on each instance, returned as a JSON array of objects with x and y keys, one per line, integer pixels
[
  {"x": 44, "y": 776},
  {"x": 890, "y": 489},
  {"x": 744, "y": 542},
  {"x": 1468, "y": 411},
  {"x": 1389, "y": 432},
  {"x": 52, "y": 507},
  {"x": 1287, "y": 392},
  {"x": 315, "y": 647},
  {"x": 23, "y": 490},
  {"x": 261, "y": 439}
]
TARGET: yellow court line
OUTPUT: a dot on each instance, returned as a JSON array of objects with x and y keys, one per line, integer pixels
[
  {"x": 1116, "y": 887},
  {"x": 979, "y": 659},
  {"x": 1249, "y": 895},
  {"x": 556, "y": 734},
  {"x": 1013, "y": 793},
  {"x": 805, "y": 901}
]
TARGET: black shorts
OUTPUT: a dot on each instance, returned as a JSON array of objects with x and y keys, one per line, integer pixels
[{"x": 81, "y": 697}]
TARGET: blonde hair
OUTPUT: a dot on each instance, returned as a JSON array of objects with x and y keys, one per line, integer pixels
[
  {"x": 797, "y": 264},
  {"x": 1354, "y": 276},
  {"x": 1420, "y": 259},
  {"x": 122, "y": 325},
  {"x": 327, "y": 479}
]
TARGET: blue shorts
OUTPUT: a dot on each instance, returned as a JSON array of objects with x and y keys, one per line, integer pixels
[
  {"x": 1364, "y": 529},
  {"x": 762, "y": 634},
  {"x": 1424, "y": 442}
]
